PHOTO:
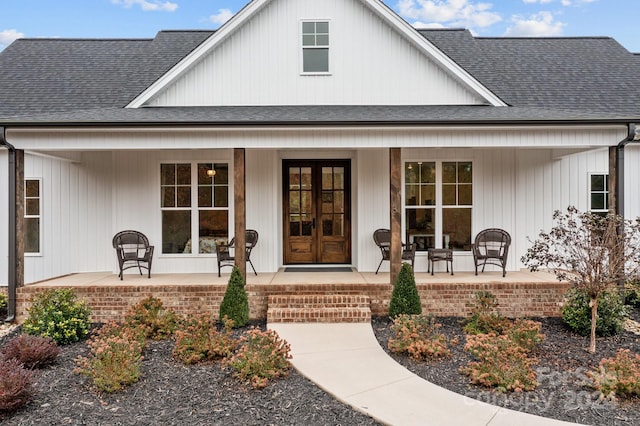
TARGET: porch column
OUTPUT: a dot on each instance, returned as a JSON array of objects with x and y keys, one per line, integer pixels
[
  {"x": 615, "y": 201},
  {"x": 239, "y": 209},
  {"x": 395, "y": 204},
  {"x": 19, "y": 218}
]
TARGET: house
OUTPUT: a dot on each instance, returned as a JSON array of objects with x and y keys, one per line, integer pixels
[{"x": 315, "y": 123}]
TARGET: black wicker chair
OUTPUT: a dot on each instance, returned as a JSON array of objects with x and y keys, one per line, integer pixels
[
  {"x": 133, "y": 249},
  {"x": 491, "y": 247},
  {"x": 382, "y": 238},
  {"x": 226, "y": 258}
]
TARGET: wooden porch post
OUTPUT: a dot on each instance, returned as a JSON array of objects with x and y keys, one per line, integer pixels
[
  {"x": 395, "y": 204},
  {"x": 613, "y": 181},
  {"x": 19, "y": 218},
  {"x": 239, "y": 210}
]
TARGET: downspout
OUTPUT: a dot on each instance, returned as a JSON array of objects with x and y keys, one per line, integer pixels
[{"x": 11, "y": 309}]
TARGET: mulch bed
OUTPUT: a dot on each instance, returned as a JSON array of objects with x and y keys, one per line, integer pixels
[
  {"x": 563, "y": 363},
  {"x": 172, "y": 393}
]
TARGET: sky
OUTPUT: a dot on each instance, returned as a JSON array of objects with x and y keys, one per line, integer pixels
[{"x": 488, "y": 18}]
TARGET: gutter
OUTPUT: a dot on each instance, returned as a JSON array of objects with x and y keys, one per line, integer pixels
[{"x": 11, "y": 309}]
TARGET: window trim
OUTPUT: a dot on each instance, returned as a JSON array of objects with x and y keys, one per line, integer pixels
[
  {"x": 39, "y": 253},
  {"x": 439, "y": 206},
  {"x": 303, "y": 47},
  {"x": 590, "y": 192},
  {"x": 194, "y": 208}
]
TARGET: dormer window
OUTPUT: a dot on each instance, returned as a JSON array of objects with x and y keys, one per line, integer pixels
[{"x": 315, "y": 47}]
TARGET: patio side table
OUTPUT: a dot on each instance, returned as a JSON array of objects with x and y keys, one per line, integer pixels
[{"x": 437, "y": 255}]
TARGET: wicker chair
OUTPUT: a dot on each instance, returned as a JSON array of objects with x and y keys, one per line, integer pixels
[
  {"x": 225, "y": 258},
  {"x": 132, "y": 247},
  {"x": 491, "y": 247},
  {"x": 382, "y": 238}
]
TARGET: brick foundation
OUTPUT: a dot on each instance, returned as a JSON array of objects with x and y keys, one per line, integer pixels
[{"x": 440, "y": 299}]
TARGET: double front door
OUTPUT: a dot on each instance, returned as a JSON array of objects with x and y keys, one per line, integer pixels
[{"x": 317, "y": 207}]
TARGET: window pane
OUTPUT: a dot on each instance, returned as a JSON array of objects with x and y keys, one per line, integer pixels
[
  {"x": 449, "y": 195},
  {"x": 456, "y": 228},
  {"x": 465, "y": 174},
  {"x": 411, "y": 195},
  {"x": 184, "y": 196},
  {"x": 598, "y": 202},
  {"x": 32, "y": 188},
  {"x": 213, "y": 229},
  {"x": 183, "y": 174},
  {"x": 32, "y": 207},
  {"x": 205, "y": 198},
  {"x": 465, "y": 195},
  {"x": 167, "y": 174},
  {"x": 322, "y": 27},
  {"x": 449, "y": 172},
  {"x": 597, "y": 182},
  {"x": 428, "y": 173},
  {"x": 421, "y": 227},
  {"x": 222, "y": 174},
  {"x": 168, "y": 196},
  {"x": 315, "y": 60},
  {"x": 322, "y": 40},
  {"x": 308, "y": 27},
  {"x": 205, "y": 176},
  {"x": 176, "y": 231},
  {"x": 308, "y": 40},
  {"x": 411, "y": 172},
  {"x": 428, "y": 195},
  {"x": 221, "y": 196},
  {"x": 32, "y": 235}
]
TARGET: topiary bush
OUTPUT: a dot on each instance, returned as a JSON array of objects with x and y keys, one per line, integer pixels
[
  {"x": 16, "y": 385},
  {"x": 235, "y": 304},
  {"x": 405, "y": 298},
  {"x": 151, "y": 316},
  {"x": 576, "y": 313},
  {"x": 58, "y": 314},
  {"x": 32, "y": 351}
]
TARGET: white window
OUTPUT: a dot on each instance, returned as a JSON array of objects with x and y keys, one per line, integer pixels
[
  {"x": 438, "y": 204},
  {"x": 32, "y": 216},
  {"x": 195, "y": 206},
  {"x": 599, "y": 193},
  {"x": 315, "y": 47}
]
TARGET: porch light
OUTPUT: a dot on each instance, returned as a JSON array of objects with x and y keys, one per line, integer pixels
[{"x": 211, "y": 172}]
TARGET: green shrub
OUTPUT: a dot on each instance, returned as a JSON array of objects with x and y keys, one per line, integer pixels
[
  {"x": 3, "y": 301},
  {"x": 114, "y": 358},
  {"x": 235, "y": 304},
  {"x": 16, "y": 385},
  {"x": 632, "y": 294},
  {"x": 198, "y": 340},
  {"x": 405, "y": 298},
  {"x": 262, "y": 356},
  {"x": 485, "y": 317},
  {"x": 502, "y": 363},
  {"x": 58, "y": 314},
  {"x": 151, "y": 316},
  {"x": 526, "y": 334},
  {"x": 619, "y": 376},
  {"x": 418, "y": 336},
  {"x": 576, "y": 313},
  {"x": 31, "y": 351}
]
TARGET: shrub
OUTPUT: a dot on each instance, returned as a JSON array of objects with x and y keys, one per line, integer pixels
[
  {"x": 502, "y": 363},
  {"x": 417, "y": 335},
  {"x": 151, "y": 316},
  {"x": 198, "y": 340},
  {"x": 3, "y": 301},
  {"x": 485, "y": 317},
  {"x": 57, "y": 314},
  {"x": 405, "y": 298},
  {"x": 576, "y": 313},
  {"x": 114, "y": 358},
  {"x": 15, "y": 385},
  {"x": 631, "y": 294},
  {"x": 31, "y": 351},
  {"x": 526, "y": 334},
  {"x": 235, "y": 304},
  {"x": 262, "y": 356},
  {"x": 619, "y": 376}
]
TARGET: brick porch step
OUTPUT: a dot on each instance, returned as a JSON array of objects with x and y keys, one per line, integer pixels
[{"x": 319, "y": 308}]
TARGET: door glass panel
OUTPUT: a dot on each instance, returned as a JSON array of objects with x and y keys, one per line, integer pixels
[
  {"x": 294, "y": 225},
  {"x": 327, "y": 225},
  {"x": 338, "y": 178},
  {"x": 307, "y": 225},
  {"x": 327, "y": 202},
  {"x": 338, "y": 225},
  {"x": 294, "y": 178},
  {"x": 338, "y": 202},
  {"x": 294, "y": 202},
  {"x": 305, "y": 173},
  {"x": 307, "y": 202},
  {"x": 327, "y": 178}
]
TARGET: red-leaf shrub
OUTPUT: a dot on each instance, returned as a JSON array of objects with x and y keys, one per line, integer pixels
[
  {"x": 32, "y": 351},
  {"x": 15, "y": 385}
]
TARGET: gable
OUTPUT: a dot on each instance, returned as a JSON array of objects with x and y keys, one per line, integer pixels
[{"x": 372, "y": 62}]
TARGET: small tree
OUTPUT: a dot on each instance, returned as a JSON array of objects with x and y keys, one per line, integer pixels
[
  {"x": 590, "y": 252},
  {"x": 405, "y": 298},
  {"x": 235, "y": 304}
]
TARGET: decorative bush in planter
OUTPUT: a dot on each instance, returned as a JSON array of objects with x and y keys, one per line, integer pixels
[
  {"x": 405, "y": 298},
  {"x": 235, "y": 304}
]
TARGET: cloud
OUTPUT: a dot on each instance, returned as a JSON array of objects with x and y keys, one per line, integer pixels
[
  {"x": 541, "y": 24},
  {"x": 576, "y": 2},
  {"x": 221, "y": 17},
  {"x": 422, "y": 25},
  {"x": 537, "y": 1},
  {"x": 8, "y": 36},
  {"x": 451, "y": 13},
  {"x": 149, "y": 5}
]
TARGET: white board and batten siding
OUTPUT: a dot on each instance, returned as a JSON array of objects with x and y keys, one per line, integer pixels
[{"x": 370, "y": 63}]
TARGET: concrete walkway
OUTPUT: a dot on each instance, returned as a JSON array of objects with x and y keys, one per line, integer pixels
[{"x": 346, "y": 361}]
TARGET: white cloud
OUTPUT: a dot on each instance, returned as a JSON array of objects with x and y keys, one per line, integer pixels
[
  {"x": 8, "y": 36},
  {"x": 541, "y": 24},
  {"x": 537, "y": 1},
  {"x": 221, "y": 17},
  {"x": 422, "y": 25},
  {"x": 576, "y": 2},
  {"x": 451, "y": 13},
  {"x": 149, "y": 5}
]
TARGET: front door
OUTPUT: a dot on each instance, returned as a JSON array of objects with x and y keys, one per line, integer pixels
[{"x": 317, "y": 211}]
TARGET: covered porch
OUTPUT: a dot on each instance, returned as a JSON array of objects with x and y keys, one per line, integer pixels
[{"x": 308, "y": 296}]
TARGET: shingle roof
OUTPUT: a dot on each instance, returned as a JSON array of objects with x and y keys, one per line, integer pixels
[{"x": 544, "y": 79}]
